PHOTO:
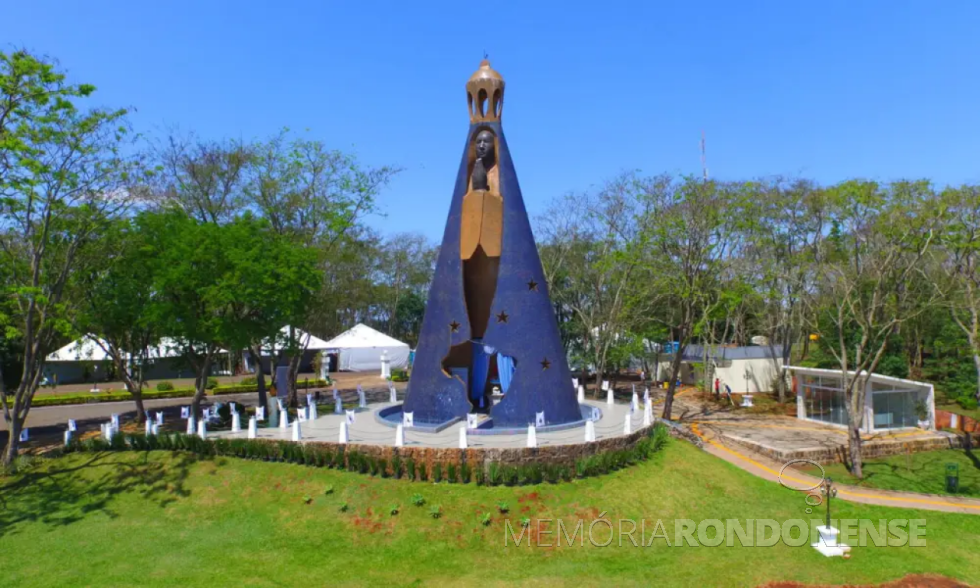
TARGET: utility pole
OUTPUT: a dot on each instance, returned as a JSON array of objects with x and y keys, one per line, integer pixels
[{"x": 704, "y": 159}]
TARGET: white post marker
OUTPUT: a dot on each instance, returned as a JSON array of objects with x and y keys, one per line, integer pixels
[
  {"x": 627, "y": 424},
  {"x": 301, "y": 415},
  {"x": 581, "y": 394},
  {"x": 24, "y": 435},
  {"x": 283, "y": 420},
  {"x": 202, "y": 430},
  {"x": 338, "y": 406},
  {"x": 408, "y": 419},
  {"x": 532, "y": 436},
  {"x": 647, "y": 413},
  {"x": 72, "y": 426},
  {"x": 109, "y": 431},
  {"x": 400, "y": 436},
  {"x": 634, "y": 389},
  {"x": 149, "y": 427},
  {"x": 282, "y": 404},
  {"x": 185, "y": 412},
  {"x": 462, "y": 438},
  {"x": 646, "y": 394},
  {"x": 589, "y": 431},
  {"x": 159, "y": 418},
  {"x": 260, "y": 413},
  {"x": 349, "y": 416},
  {"x": 344, "y": 436},
  {"x": 252, "y": 428},
  {"x": 635, "y": 403},
  {"x": 155, "y": 429},
  {"x": 190, "y": 425},
  {"x": 392, "y": 394},
  {"x": 610, "y": 399},
  {"x": 297, "y": 435},
  {"x": 313, "y": 412},
  {"x": 115, "y": 420},
  {"x": 336, "y": 394},
  {"x": 309, "y": 399},
  {"x": 539, "y": 419},
  {"x": 575, "y": 383},
  {"x": 472, "y": 420},
  {"x": 236, "y": 423},
  {"x": 67, "y": 437},
  {"x": 361, "y": 400},
  {"x": 232, "y": 407}
]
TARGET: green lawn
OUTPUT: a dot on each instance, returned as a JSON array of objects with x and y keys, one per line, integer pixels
[
  {"x": 163, "y": 519},
  {"x": 920, "y": 472}
]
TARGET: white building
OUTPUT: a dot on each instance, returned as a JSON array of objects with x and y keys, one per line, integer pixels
[
  {"x": 890, "y": 403},
  {"x": 359, "y": 349},
  {"x": 752, "y": 369}
]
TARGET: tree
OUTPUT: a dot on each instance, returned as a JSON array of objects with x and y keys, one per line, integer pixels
[
  {"x": 404, "y": 270},
  {"x": 116, "y": 295},
  {"x": 62, "y": 175},
  {"x": 315, "y": 197},
  {"x": 881, "y": 237},
  {"x": 961, "y": 264},
  {"x": 223, "y": 285}
]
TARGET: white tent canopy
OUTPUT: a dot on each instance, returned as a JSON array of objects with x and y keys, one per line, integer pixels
[
  {"x": 310, "y": 342},
  {"x": 361, "y": 347},
  {"x": 84, "y": 349}
]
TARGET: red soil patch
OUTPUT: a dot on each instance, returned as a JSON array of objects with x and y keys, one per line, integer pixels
[{"x": 910, "y": 581}]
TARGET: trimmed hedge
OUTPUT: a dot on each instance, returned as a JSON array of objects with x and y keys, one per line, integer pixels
[
  {"x": 346, "y": 457},
  {"x": 123, "y": 395}
]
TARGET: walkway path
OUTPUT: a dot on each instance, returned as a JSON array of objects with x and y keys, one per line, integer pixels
[{"x": 769, "y": 470}]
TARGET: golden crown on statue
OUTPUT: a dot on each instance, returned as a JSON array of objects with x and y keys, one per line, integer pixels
[{"x": 485, "y": 94}]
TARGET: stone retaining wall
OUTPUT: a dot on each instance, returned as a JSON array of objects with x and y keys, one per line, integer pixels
[{"x": 838, "y": 454}]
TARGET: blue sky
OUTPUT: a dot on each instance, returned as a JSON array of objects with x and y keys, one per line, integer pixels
[{"x": 823, "y": 89}]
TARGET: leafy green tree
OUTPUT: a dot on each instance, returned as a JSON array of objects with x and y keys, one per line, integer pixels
[{"x": 62, "y": 174}]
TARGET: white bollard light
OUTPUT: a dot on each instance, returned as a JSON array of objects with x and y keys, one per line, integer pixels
[
  {"x": 309, "y": 399},
  {"x": 115, "y": 420},
  {"x": 635, "y": 403},
  {"x": 313, "y": 412},
  {"x": 400, "y": 436},
  {"x": 155, "y": 429},
  {"x": 627, "y": 424},
  {"x": 344, "y": 436},
  {"x": 574, "y": 382},
  {"x": 646, "y": 395},
  {"x": 361, "y": 400},
  {"x": 532, "y": 436},
  {"x": 260, "y": 413},
  {"x": 610, "y": 399},
  {"x": 581, "y": 394},
  {"x": 148, "y": 429},
  {"x": 589, "y": 431},
  {"x": 338, "y": 406},
  {"x": 297, "y": 434},
  {"x": 202, "y": 430},
  {"x": 605, "y": 384},
  {"x": 283, "y": 420},
  {"x": 67, "y": 438},
  {"x": 232, "y": 407},
  {"x": 159, "y": 416},
  {"x": 647, "y": 414},
  {"x": 190, "y": 425},
  {"x": 236, "y": 423},
  {"x": 72, "y": 426},
  {"x": 462, "y": 438},
  {"x": 392, "y": 394},
  {"x": 252, "y": 428}
]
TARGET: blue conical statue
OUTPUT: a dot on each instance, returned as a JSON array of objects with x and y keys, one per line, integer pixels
[{"x": 489, "y": 321}]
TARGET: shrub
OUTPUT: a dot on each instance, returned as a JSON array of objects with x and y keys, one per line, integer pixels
[
  {"x": 165, "y": 386},
  {"x": 328, "y": 490},
  {"x": 967, "y": 402},
  {"x": 418, "y": 500},
  {"x": 399, "y": 376},
  {"x": 249, "y": 381},
  {"x": 435, "y": 512},
  {"x": 344, "y": 507},
  {"x": 503, "y": 507},
  {"x": 525, "y": 522},
  {"x": 393, "y": 510},
  {"x": 486, "y": 519},
  {"x": 211, "y": 384}
]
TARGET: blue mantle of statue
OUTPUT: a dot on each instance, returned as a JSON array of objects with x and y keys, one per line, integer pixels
[{"x": 529, "y": 337}]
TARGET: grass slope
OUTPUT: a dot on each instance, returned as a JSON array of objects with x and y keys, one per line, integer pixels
[
  {"x": 162, "y": 519},
  {"x": 920, "y": 472}
]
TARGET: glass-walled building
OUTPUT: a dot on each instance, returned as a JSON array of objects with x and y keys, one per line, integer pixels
[{"x": 890, "y": 403}]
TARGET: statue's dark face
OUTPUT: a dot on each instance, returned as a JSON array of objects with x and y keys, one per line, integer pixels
[{"x": 484, "y": 145}]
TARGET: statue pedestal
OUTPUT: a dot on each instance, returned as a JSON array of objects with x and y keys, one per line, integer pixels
[{"x": 828, "y": 544}]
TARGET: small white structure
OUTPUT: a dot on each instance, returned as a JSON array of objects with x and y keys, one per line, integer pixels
[
  {"x": 408, "y": 419},
  {"x": 628, "y": 424},
  {"x": 344, "y": 435},
  {"x": 539, "y": 419},
  {"x": 581, "y": 394},
  {"x": 361, "y": 399},
  {"x": 634, "y": 401},
  {"x": 828, "y": 545},
  {"x": 313, "y": 411},
  {"x": 283, "y": 420},
  {"x": 297, "y": 434},
  {"x": 202, "y": 429},
  {"x": 260, "y": 413},
  {"x": 385, "y": 365},
  {"x": 236, "y": 423},
  {"x": 190, "y": 425},
  {"x": 67, "y": 437},
  {"x": 472, "y": 421},
  {"x": 360, "y": 349},
  {"x": 350, "y": 416},
  {"x": 610, "y": 399},
  {"x": 647, "y": 413},
  {"x": 252, "y": 428},
  {"x": 399, "y": 436},
  {"x": 532, "y": 437},
  {"x": 462, "y": 438},
  {"x": 338, "y": 406},
  {"x": 589, "y": 431},
  {"x": 890, "y": 403}
]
